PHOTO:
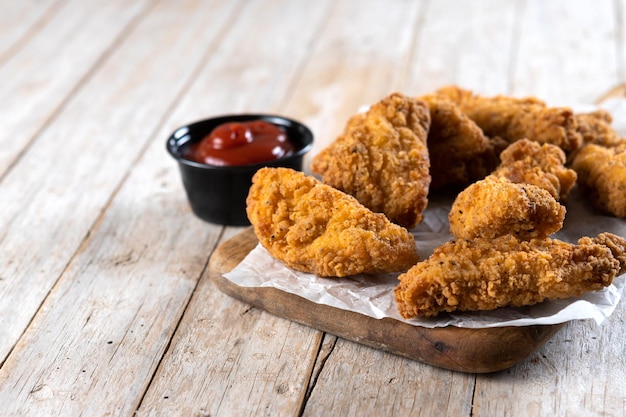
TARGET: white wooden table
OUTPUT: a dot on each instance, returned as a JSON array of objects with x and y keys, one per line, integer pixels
[{"x": 105, "y": 304}]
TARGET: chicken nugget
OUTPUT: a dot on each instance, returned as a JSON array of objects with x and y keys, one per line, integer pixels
[
  {"x": 496, "y": 206},
  {"x": 485, "y": 274},
  {"x": 513, "y": 118},
  {"x": 602, "y": 176},
  {"x": 543, "y": 165},
  {"x": 314, "y": 228},
  {"x": 382, "y": 160}
]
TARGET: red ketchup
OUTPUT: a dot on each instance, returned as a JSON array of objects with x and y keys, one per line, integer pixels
[{"x": 241, "y": 143}]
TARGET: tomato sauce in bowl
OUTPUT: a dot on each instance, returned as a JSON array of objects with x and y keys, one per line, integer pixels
[
  {"x": 217, "y": 158},
  {"x": 242, "y": 143}
]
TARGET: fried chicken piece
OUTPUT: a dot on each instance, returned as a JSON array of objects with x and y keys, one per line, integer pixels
[
  {"x": 616, "y": 244},
  {"x": 496, "y": 206},
  {"x": 513, "y": 119},
  {"x": 314, "y": 228},
  {"x": 602, "y": 175},
  {"x": 459, "y": 151},
  {"x": 485, "y": 274},
  {"x": 595, "y": 127},
  {"x": 382, "y": 160},
  {"x": 526, "y": 161}
]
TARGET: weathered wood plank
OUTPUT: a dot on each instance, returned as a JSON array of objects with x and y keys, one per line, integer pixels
[
  {"x": 465, "y": 43},
  {"x": 51, "y": 199},
  {"x": 107, "y": 322},
  {"x": 357, "y": 380},
  {"x": 46, "y": 70},
  {"x": 353, "y": 379},
  {"x": 355, "y": 63},
  {"x": 568, "y": 53},
  {"x": 362, "y": 56},
  {"x": 582, "y": 371},
  {"x": 242, "y": 350},
  {"x": 228, "y": 358},
  {"x": 21, "y": 19},
  {"x": 106, "y": 246},
  {"x": 466, "y": 350}
]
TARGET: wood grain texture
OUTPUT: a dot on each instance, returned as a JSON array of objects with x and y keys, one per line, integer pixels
[
  {"x": 459, "y": 349},
  {"x": 228, "y": 358},
  {"x": 564, "y": 55},
  {"x": 113, "y": 294},
  {"x": 329, "y": 29},
  {"x": 45, "y": 194},
  {"x": 571, "y": 369},
  {"x": 240, "y": 349},
  {"x": 106, "y": 305},
  {"x": 53, "y": 63},
  {"x": 340, "y": 78},
  {"x": 20, "y": 20},
  {"x": 474, "y": 46},
  {"x": 355, "y": 380}
]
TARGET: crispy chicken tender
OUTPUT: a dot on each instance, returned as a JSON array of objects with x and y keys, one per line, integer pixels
[
  {"x": 484, "y": 274},
  {"x": 496, "y": 206},
  {"x": 459, "y": 151},
  {"x": 602, "y": 175},
  {"x": 616, "y": 244},
  {"x": 595, "y": 127},
  {"x": 314, "y": 228},
  {"x": 526, "y": 161},
  {"x": 382, "y": 160},
  {"x": 513, "y": 119}
]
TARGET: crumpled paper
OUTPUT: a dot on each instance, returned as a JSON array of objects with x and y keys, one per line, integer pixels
[{"x": 373, "y": 295}]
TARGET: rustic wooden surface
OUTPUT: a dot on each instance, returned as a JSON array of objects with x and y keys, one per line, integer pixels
[
  {"x": 106, "y": 306},
  {"x": 458, "y": 349}
]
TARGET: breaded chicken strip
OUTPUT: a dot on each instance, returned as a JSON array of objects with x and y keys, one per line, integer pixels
[
  {"x": 496, "y": 206},
  {"x": 595, "y": 127},
  {"x": 382, "y": 160},
  {"x": 314, "y": 228},
  {"x": 602, "y": 175},
  {"x": 616, "y": 245},
  {"x": 516, "y": 118},
  {"x": 484, "y": 274},
  {"x": 526, "y": 161},
  {"x": 459, "y": 151}
]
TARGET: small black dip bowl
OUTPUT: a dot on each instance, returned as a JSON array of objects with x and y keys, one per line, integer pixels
[{"x": 218, "y": 194}]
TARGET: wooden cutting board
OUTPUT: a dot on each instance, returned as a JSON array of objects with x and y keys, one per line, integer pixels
[{"x": 459, "y": 349}]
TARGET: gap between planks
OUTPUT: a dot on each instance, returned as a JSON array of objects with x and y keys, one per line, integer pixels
[
  {"x": 317, "y": 366},
  {"x": 167, "y": 347},
  {"x": 46, "y": 123},
  {"x": 54, "y": 113},
  {"x": 25, "y": 37}
]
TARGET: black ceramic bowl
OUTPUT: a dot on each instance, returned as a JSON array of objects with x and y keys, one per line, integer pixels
[{"x": 218, "y": 193}]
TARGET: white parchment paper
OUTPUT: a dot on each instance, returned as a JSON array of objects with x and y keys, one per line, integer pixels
[{"x": 373, "y": 295}]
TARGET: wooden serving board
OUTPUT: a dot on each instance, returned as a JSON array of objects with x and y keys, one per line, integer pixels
[{"x": 459, "y": 349}]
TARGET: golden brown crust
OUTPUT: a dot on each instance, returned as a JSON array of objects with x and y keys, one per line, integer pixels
[
  {"x": 526, "y": 161},
  {"x": 513, "y": 118},
  {"x": 312, "y": 227},
  {"x": 382, "y": 160},
  {"x": 602, "y": 175},
  {"x": 616, "y": 244},
  {"x": 496, "y": 206},
  {"x": 459, "y": 151},
  {"x": 595, "y": 127},
  {"x": 484, "y": 274}
]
